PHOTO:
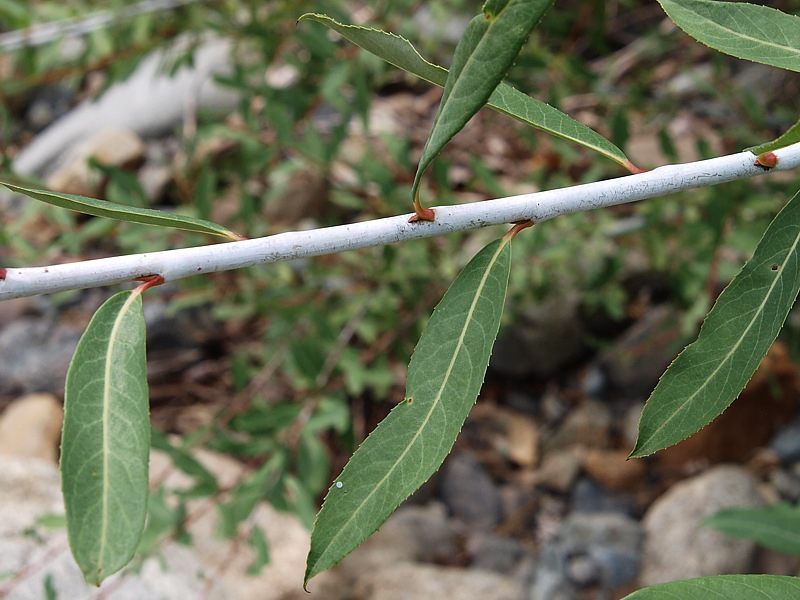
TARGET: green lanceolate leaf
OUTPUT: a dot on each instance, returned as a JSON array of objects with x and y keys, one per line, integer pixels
[
  {"x": 709, "y": 374},
  {"x": 727, "y": 587},
  {"x": 792, "y": 136},
  {"x": 444, "y": 378},
  {"x": 482, "y": 58},
  {"x": 757, "y": 33},
  {"x": 106, "y": 439},
  {"x": 131, "y": 214},
  {"x": 505, "y": 99},
  {"x": 776, "y": 526}
]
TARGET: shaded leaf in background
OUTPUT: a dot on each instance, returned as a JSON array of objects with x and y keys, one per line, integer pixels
[
  {"x": 206, "y": 482},
  {"x": 727, "y": 587},
  {"x": 749, "y": 31},
  {"x": 409, "y": 445},
  {"x": 105, "y": 445},
  {"x": 399, "y": 52},
  {"x": 164, "y": 518},
  {"x": 262, "y": 484},
  {"x": 120, "y": 212},
  {"x": 260, "y": 545},
  {"x": 776, "y": 526},
  {"x": 483, "y": 56},
  {"x": 792, "y": 136},
  {"x": 709, "y": 374}
]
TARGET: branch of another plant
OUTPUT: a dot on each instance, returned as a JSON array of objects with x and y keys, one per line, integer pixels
[{"x": 541, "y": 206}]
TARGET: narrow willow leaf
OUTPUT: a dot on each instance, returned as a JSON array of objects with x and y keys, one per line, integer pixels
[
  {"x": 792, "y": 136},
  {"x": 727, "y": 587},
  {"x": 106, "y": 439},
  {"x": 444, "y": 378},
  {"x": 399, "y": 52},
  {"x": 484, "y": 55},
  {"x": 111, "y": 210},
  {"x": 749, "y": 31},
  {"x": 776, "y": 526},
  {"x": 709, "y": 374}
]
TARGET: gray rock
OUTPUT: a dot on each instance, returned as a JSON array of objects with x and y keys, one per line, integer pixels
[
  {"x": 676, "y": 547},
  {"x": 599, "y": 551},
  {"x": 559, "y": 470},
  {"x": 541, "y": 341},
  {"x": 588, "y": 496},
  {"x": 209, "y": 567},
  {"x": 113, "y": 147},
  {"x": 469, "y": 492},
  {"x": 31, "y": 427},
  {"x": 149, "y": 103},
  {"x": 601, "y": 548},
  {"x": 412, "y": 581},
  {"x": 634, "y": 364},
  {"x": 588, "y": 424},
  {"x": 491, "y": 552},
  {"x": 550, "y": 581},
  {"x": 35, "y": 354},
  {"x": 412, "y": 534},
  {"x": 786, "y": 483},
  {"x": 786, "y": 443},
  {"x": 30, "y": 489}
]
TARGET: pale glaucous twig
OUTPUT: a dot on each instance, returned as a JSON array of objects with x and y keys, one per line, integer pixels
[{"x": 540, "y": 206}]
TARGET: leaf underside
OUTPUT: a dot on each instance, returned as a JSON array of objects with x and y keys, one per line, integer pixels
[
  {"x": 106, "y": 439},
  {"x": 709, "y": 374},
  {"x": 444, "y": 377}
]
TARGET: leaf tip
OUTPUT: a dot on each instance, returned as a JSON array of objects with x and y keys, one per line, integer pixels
[{"x": 305, "y": 16}]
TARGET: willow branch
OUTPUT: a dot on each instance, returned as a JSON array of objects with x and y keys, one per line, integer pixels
[{"x": 540, "y": 206}]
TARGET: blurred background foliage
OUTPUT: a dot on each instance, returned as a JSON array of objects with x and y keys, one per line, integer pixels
[{"x": 313, "y": 352}]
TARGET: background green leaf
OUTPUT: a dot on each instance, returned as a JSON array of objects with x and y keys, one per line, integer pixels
[
  {"x": 206, "y": 483},
  {"x": 483, "y": 56},
  {"x": 792, "y": 136},
  {"x": 729, "y": 587},
  {"x": 709, "y": 374},
  {"x": 105, "y": 446},
  {"x": 131, "y": 214},
  {"x": 399, "y": 52},
  {"x": 757, "y": 33},
  {"x": 776, "y": 526},
  {"x": 444, "y": 378}
]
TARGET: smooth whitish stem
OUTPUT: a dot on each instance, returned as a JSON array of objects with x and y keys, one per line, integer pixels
[{"x": 540, "y": 206}]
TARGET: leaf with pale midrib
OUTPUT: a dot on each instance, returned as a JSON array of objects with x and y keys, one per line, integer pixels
[
  {"x": 483, "y": 56},
  {"x": 749, "y": 31},
  {"x": 399, "y": 52},
  {"x": 723, "y": 587},
  {"x": 409, "y": 445},
  {"x": 776, "y": 526},
  {"x": 709, "y": 374},
  {"x": 106, "y": 439},
  {"x": 131, "y": 214}
]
